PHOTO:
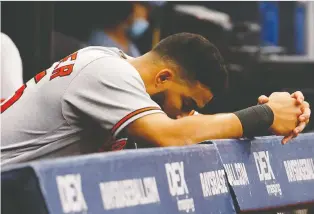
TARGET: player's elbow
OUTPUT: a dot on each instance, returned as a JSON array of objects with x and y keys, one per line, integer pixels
[
  {"x": 173, "y": 141},
  {"x": 164, "y": 141},
  {"x": 171, "y": 136},
  {"x": 161, "y": 138}
]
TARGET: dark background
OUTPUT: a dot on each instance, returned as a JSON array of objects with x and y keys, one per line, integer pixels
[{"x": 30, "y": 24}]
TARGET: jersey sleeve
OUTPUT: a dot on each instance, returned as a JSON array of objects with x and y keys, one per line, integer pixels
[{"x": 110, "y": 91}]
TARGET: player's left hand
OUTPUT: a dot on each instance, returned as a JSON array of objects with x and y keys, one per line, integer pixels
[{"x": 304, "y": 118}]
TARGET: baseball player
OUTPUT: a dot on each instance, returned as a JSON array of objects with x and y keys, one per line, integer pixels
[{"x": 94, "y": 98}]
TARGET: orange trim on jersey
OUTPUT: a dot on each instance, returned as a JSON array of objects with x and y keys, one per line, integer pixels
[
  {"x": 119, "y": 145},
  {"x": 13, "y": 99},
  {"x": 39, "y": 76},
  {"x": 129, "y": 116}
]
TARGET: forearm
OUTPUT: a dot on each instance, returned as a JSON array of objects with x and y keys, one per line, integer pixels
[
  {"x": 195, "y": 129},
  {"x": 158, "y": 129},
  {"x": 249, "y": 122}
]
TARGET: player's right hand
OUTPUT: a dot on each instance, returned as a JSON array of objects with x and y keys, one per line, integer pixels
[
  {"x": 304, "y": 118},
  {"x": 286, "y": 112}
]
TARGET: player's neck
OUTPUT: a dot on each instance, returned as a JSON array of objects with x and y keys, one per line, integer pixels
[{"x": 147, "y": 71}]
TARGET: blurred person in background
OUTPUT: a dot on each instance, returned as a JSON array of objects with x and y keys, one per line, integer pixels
[
  {"x": 11, "y": 67},
  {"x": 117, "y": 24}
]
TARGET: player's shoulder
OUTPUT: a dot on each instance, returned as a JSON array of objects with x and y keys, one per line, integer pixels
[
  {"x": 107, "y": 59},
  {"x": 6, "y": 43},
  {"x": 5, "y": 38},
  {"x": 92, "y": 55},
  {"x": 97, "y": 54},
  {"x": 108, "y": 64},
  {"x": 94, "y": 52}
]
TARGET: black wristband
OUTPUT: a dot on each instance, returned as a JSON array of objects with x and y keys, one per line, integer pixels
[{"x": 255, "y": 119}]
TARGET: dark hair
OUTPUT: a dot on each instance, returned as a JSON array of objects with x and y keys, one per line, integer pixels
[{"x": 198, "y": 59}]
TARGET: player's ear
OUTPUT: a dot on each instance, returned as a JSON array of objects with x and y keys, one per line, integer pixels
[{"x": 164, "y": 77}]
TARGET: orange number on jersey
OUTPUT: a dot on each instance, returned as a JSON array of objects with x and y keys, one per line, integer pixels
[
  {"x": 62, "y": 71},
  {"x": 8, "y": 103},
  {"x": 58, "y": 72}
]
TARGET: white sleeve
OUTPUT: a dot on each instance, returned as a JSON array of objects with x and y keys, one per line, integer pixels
[
  {"x": 11, "y": 67},
  {"x": 110, "y": 91}
]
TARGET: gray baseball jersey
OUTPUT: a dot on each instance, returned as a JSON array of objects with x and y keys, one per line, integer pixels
[{"x": 77, "y": 106}]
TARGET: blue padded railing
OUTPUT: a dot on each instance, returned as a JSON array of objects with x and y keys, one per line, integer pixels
[{"x": 223, "y": 176}]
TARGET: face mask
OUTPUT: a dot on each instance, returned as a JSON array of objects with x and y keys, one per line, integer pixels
[{"x": 138, "y": 27}]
